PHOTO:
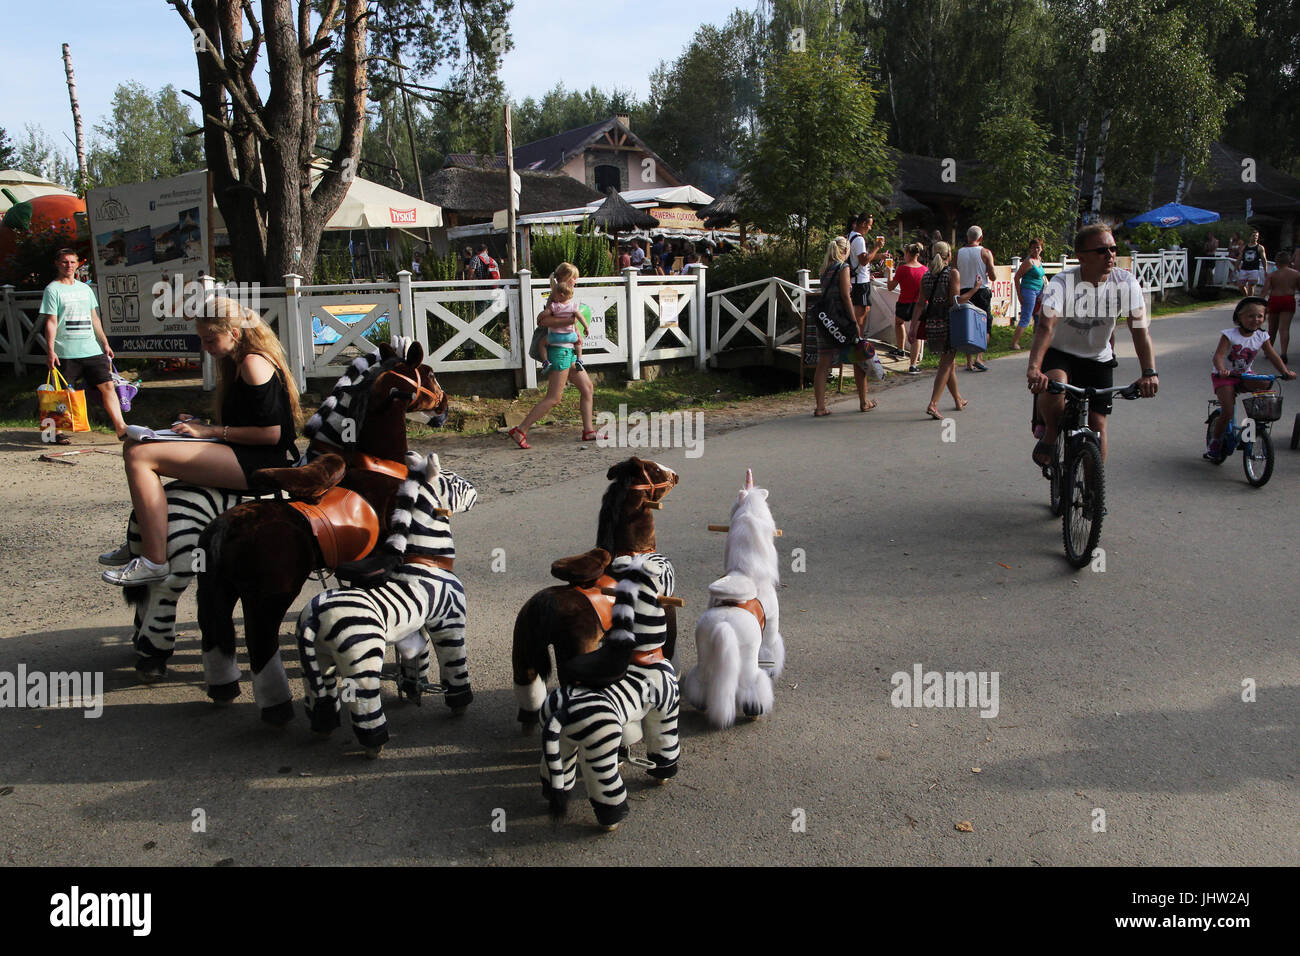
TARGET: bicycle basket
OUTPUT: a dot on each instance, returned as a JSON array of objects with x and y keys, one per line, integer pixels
[{"x": 1263, "y": 406}]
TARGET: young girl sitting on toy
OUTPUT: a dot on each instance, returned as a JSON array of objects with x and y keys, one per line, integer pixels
[
  {"x": 1233, "y": 358},
  {"x": 563, "y": 343}
]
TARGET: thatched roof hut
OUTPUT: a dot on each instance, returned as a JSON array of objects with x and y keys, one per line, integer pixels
[
  {"x": 727, "y": 208},
  {"x": 479, "y": 192},
  {"x": 615, "y": 215}
]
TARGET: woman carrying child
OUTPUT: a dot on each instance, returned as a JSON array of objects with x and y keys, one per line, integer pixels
[{"x": 563, "y": 356}]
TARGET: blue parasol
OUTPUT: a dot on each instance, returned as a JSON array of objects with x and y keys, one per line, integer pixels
[{"x": 1174, "y": 214}]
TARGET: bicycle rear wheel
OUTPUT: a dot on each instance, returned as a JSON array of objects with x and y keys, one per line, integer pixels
[
  {"x": 1055, "y": 482},
  {"x": 1257, "y": 458},
  {"x": 1085, "y": 504}
]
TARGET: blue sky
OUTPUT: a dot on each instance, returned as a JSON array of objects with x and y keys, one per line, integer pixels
[{"x": 582, "y": 42}]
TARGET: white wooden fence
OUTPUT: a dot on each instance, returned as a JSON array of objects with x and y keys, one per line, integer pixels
[
  {"x": 477, "y": 326},
  {"x": 464, "y": 326}
]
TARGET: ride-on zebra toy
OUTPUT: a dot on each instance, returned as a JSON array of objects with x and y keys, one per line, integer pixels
[
  {"x": 410, "y": 599},
  {"x": 586, "y": 721}
]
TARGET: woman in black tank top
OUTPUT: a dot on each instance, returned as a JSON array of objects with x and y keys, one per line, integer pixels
[{"x": 259, "y": 414}]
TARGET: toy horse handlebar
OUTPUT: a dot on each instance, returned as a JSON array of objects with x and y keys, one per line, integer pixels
[
  {"x": 664, "y": 600},
  {"x": 726, "y": 527}
]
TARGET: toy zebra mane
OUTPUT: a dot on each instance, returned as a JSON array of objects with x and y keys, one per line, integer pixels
[
  {"x": 637, "y": 617},
  {"x": 349, "y": 401},
  {"x": 416, "y": 526}
]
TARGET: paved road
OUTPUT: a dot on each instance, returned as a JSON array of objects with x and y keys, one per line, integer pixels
[{"x": 1119, "y": 691}]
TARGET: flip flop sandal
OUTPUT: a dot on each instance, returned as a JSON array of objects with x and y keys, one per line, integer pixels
[
  {"x": 588, "y": 436},
  {"x": 62, "y": 440},
  {"x": 934, "y": 413},
  {"x": 871, "y": 403},
  {"x": 821, "y": 414},
  {"x": 520, "y": 438}
]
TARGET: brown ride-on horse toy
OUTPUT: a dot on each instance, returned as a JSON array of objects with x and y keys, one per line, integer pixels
[
  {"x": 571, "y": 618},
  {"x": 262, "y": 552}
]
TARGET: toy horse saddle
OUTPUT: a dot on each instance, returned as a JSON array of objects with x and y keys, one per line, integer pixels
[
  {"x": 585, "y": 573},
  {"x": 738, "y": 590},
  {"x": 344, "y": 523}
]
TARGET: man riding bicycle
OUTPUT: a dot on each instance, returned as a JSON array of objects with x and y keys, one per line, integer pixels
[{"x": 1074, "y": 332}]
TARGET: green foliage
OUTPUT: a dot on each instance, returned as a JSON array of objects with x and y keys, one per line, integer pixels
[
  {"x": 442, "y": 268},
  {"x": 560, "y": 109},
  {"x": 32, "y": 264},
  {"x": 588, "y": 251},
  {"x": 333, "y": 266},
  {"x": 776, "y": 257},
  {"x": 704, "y": 106},
  {"x": 1023, "y": 187},
  {"x": 8, "y": 153},
  {"x": 820, "y": 154},
  {"x": 144, "y": 138},
  {"x": 1149, "y": 237},
  {"x": 38, "y": 154}
]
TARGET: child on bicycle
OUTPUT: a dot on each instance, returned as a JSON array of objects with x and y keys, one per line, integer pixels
[
  {"x": 563, "y": 343},
  {"x": 1233, "y": 358}
]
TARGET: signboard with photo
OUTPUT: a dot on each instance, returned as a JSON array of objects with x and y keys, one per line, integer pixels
[{"x": 149, "y": 241}]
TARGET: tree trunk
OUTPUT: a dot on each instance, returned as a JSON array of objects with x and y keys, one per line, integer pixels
[
  {"x": 260, "y": 154},
  {"x": 1099, "y": 176},
  {"x": 76, "y": 120},
  {"x": 1080, "y": 151}
]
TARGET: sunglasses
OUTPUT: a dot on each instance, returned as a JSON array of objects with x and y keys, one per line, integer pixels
[{"x": 1108, "y": 250}]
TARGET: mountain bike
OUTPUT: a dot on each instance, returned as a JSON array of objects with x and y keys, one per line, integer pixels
[
  {"x": 1253, "y": 435},
  {"x": 1076, "y": 475}
]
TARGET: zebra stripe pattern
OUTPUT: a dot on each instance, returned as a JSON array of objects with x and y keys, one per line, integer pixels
[
  {"x": 343, "y": 404},
  {"x": 190, "y": 509},
  {"x": 587, "y": 723},
  {"x": 343, "y": 632}
]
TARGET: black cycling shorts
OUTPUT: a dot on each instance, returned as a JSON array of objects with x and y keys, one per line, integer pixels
[
  {"x": 1082, "y": 373},
  {"x": 861, "y": 293}
]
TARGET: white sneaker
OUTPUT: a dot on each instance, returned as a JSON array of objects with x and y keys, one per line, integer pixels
[
  {"x": 115, "y": 559},
  {"x": 137, "y": 571}
]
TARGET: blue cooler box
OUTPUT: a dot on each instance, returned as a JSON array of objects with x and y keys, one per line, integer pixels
[{"x": 968, "y": 329}]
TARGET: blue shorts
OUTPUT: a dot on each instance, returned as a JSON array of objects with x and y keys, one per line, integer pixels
[{"x": 560, "y": 357}]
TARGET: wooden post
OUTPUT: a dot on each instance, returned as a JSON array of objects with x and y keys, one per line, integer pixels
[
  {"x": 512, "y": 224},
  {"x": 634, "y": 334},
  {"x": 76, "y": 120},
  {"x": 293, "y": 320},
  {"x": 527, "y": 325},
  {"x": 15, "y": 330},
  {"x": 700, "y": 326}
]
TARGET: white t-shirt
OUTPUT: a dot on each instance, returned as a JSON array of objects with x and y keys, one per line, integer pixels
[
  {"x": 857, "y": 247},
  {"x": 970, "y": 263},
  {"x": 1086, "y": 313},
  {"x": 1242, "y": 349}
]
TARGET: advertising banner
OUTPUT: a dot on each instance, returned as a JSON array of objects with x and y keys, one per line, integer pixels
[{"x": 150, "y": 246}]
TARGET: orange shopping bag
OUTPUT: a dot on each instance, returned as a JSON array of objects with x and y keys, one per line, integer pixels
[{"x": 62, "y": 403}]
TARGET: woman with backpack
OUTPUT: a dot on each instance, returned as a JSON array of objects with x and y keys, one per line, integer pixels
[{"x": 836, "y": 275}]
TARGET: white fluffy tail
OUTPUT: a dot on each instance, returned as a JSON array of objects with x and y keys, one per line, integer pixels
[{"x": 716, "y": 676}]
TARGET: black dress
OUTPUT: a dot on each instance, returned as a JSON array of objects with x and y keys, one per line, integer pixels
[{"x": 260, "y": 406}]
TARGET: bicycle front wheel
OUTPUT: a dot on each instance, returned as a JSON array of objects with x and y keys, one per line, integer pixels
[
  {"x": 1257, "y": 458},
  {"x": 1084, "y": 506},
  {"x": 1056, "y": 482}
]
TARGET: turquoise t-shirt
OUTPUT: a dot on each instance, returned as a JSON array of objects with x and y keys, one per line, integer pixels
[
  {"x": 72, "y": 304},
  {"x": 1033, "y": 277}
]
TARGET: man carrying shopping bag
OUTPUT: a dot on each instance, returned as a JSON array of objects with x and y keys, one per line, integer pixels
[{"x": 75, "y": 339}]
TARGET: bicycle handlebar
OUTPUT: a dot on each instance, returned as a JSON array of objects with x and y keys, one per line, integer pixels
[{"x": 1129, "y": 392}]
